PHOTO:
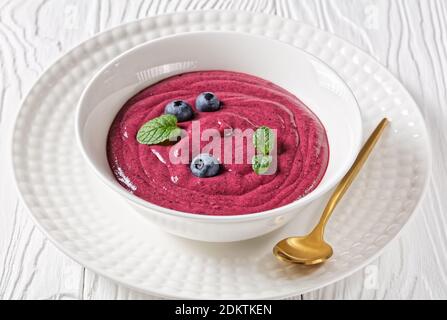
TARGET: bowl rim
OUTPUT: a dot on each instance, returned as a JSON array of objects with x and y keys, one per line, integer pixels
[{"x": 154, "y": 208}]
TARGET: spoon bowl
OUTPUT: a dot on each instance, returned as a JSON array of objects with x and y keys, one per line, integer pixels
[{"x": 303, "y": 250}]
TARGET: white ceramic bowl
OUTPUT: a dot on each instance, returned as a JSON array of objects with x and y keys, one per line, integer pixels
[{"x": 300, "y": 73}]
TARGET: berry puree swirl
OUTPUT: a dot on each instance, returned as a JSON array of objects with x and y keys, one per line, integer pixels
[{"x": 247, "y": 102}]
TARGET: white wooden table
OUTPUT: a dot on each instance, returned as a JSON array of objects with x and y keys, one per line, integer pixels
[{"x": 408, "y": 36}]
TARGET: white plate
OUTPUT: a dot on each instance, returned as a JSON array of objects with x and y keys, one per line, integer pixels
[{"x": 111, "y": 239}]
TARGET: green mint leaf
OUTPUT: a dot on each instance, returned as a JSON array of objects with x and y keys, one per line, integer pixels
[
  {"x": 261, "y": 163},
  {"x": 263, "y": 140},
  {"x": 158, "y": 130}
]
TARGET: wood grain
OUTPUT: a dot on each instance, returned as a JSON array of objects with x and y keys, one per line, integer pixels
[{"x": 408, "y": 36}]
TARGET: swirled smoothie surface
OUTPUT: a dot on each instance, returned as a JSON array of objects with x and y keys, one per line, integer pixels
[{"x": 248, "y": 102}]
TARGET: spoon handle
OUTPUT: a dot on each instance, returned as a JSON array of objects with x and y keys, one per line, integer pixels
[{"x": 345, "y": 183}]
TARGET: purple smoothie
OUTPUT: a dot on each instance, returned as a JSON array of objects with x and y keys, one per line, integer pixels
[{"x": 248, "y": 102}]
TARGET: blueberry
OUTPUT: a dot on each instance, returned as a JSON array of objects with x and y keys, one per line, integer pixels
[
  {"x": 204, "y": 165},
  {"x": 180, "y": 109},
  {"x": 207, "y": 102}
]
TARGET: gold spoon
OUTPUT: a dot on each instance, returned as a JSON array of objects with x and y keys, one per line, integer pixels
[{"x": 312, "y": 249}]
